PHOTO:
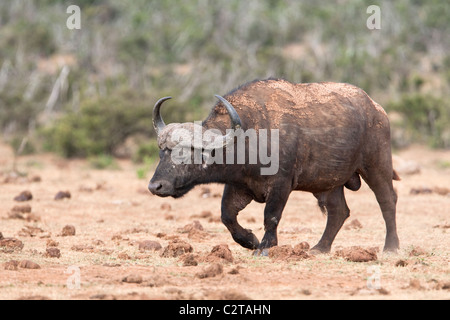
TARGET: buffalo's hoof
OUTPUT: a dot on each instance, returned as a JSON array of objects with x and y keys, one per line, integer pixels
[
  {"x": 318, "y": 250},
  {"x": 261, "y": 252}
]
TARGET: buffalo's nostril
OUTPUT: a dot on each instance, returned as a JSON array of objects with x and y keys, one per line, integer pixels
[{"x": 153, "y": 187}]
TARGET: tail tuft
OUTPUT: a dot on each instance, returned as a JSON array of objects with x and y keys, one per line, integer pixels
[{"x": 395, "y": 176}]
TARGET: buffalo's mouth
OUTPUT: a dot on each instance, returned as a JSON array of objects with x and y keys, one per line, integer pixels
[{"x": 165, "y": 189}]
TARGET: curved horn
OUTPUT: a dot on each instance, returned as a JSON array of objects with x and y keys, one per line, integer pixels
[
  {"x": 158, "y": 122},
  {"x": 235, "y": 120}
]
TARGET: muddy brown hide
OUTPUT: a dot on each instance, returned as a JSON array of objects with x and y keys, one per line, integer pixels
[{"x": 330, "y": 134}]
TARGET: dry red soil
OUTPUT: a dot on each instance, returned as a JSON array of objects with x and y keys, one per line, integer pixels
[{"x": 107, "y": 237}]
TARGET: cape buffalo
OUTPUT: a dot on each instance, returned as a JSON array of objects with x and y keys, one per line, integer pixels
[{"x": 330, "y": 135}]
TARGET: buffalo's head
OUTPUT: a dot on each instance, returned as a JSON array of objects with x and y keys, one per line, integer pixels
[{"x": 182, "y": 152}]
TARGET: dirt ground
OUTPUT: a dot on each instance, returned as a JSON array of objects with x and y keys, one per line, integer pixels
[{"x": 129, "y": 244}]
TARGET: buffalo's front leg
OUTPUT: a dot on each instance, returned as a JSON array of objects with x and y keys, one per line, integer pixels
[
  {"x": 272, "y": 216},
  {"x": 234, "y": 200}
]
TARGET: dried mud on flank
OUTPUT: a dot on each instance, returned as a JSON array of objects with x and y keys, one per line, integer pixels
[{"x": 127, "y": 244}]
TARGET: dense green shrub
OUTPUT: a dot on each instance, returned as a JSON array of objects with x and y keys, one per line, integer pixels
[
  {"x": 426, "y": 118},
  {"x": 100, "y": 126},
  {"x": 103, "y": 124}
]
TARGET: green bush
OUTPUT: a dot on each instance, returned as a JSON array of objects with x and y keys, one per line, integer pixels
[
  {"x": 101, "y": 125},
  {"x": 426, "y": 118}
]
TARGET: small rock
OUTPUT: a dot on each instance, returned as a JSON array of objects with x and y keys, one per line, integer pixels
[
  {"x": 21, "y": 209},
  {"x": 357, "y": 254},
  {"x": 63, "y": 195},
  {"x": 10, "y": 245},
  {"x": 52, "y": 243},
  {"x": 221, "y": 252},
  {"x": 149, "y": 245},
  {"x": 123, "y": 256},
  {"x": 12, "y": 265},
  {"x": 302, "y": 246},
  {"x": 210, "y": 271},
  {"x": 27, "y": 264},
  {"x": 133, "y": 278},
  {"x": 196, "y": 225},
  {"x": 401, "y": 263},
  {"x": 189, "y": 260},
  {"x": 53, "y": 252},
  {"x": 165, "y": 206},
  {"x": 68, "y": 231},
  {"x": 415, "y": 284},
  {"x": 417, "y": 251},
  {"x": 24, "y": 196},
  {"x": 35, "y": 179},
  {"x": 421, "y": 190},
  {"x": 176, "y": 248},
  {"x": 354, "y": 225},
  {"x": 441, "y": 191}
]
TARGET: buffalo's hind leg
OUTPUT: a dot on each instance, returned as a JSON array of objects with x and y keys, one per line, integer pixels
[
  {"x": 234, "y": 200},
  {"x": 381, "y": 184},
  {"x": 337, "y": 212}
]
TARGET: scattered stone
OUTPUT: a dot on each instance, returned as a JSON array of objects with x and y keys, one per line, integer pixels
[
  {"x": 417, "y": 251},
  {"x": 234, "y": 271},
  {"x": 52, "y": 243},
  {"x": 21, "y": 209},
  {"x": 421, "y": 190},
  {"x": 83, "y": 248},
  {"x": 210, "y": 271},
  {"x": 12, "y": 265},
  {"x": 189, "y": 260},
  {"x": 357, "y": 254},
  {"x": 68, "y": 231},
  {"x": 123, "y": 256},
  {"x": 61, "y": 195},
  {"x": 34, "y": 298},
  {"x": 302, "y": 246},
  {"x": 29, "y": 231},
  {"x": 133, "y": 278},
  {"x": 401, "y": 263},
  {"x": 169, "y": 217},
  {"x": 35, "y": 178},
  {"x": 203, "y": 214},
  {"x": 176, "y": 248},
  {"x": 354, "y": 225},
  {"x": 415, "y": 284},
  {"x": 196, "y": 225},
  {"x": 27, "y": 264},
  {"x": 149, "y": 245},
  {"x": 10, "y": 245},
  {"x": 287, "y": 253},
  {"x": 166, "y": 207},
  {"x": 441, "y": 191},
  {"x": 220, "y": 252},
  {"x": 98, "y": 242},
  {"x": 24, "y": 196},
  {"x": 198, "y": 235},
  {"x": 53, "y": 252}
]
